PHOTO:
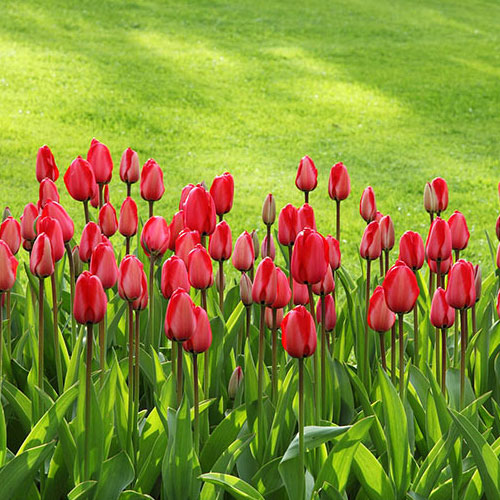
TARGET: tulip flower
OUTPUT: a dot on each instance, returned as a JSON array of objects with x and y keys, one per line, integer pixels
[
  {"x": 430, "y": 200},
  {"x": 102, "y": 165},
  {"x": 51, "y": 227},
  {"x": 401, "y": 294},
  {"x": 220, "y": 247},
  {"x": 91, "y": 237},
  {"x": 299, "y": 341},
  {"x": 200, "y": 268},
  {"x": 461, "y": 289},
  {"x": 155, "y": 237},
  {"x": 497, "y": 228},
  {"x": 184, "y": 194},
  {"x": 235, "y": 382},
  {"x": 129, "y": 168},
  {"x": 141, "y": 303},
  {"x": 174, "y": 275},
  {"x": 273, "y": 318},
  {"x": 246, "y": 298},
  {"x": 199, "y": 211},
  {"x": 334, "y": 255},
  {"x": 89, "y": 308},
  {"x": 129, "y": 278},
  {"x": 107, "y": 220},
  {"x": 10, "y": 233},
  {"x": 459, "y": 232},
  {"x": 103, "y": 265},
  {"x": 386, "y": 238},
  {"x": 28, "y": 218},
  {"x": 46, "y": 165},
  {"x": 300, "y": 294},
  {"x": 152, "y": 187},
  {"x": 438, "y": 245},
  {"x": 371, "y": 243},
  {"x": 477, "y": 285},
  {"x": 47, "y": 191},
  {"x": 411, "y": 250},
  {"x": 306, "y": 217},
  {"x": 330, "y": 318},
  {"x": 80, "y": 182},
  {"x": 310, "y": 257},
  {"x": 255, "y": 242},
  {"x": 127, "y": 225},
  {"x": 180, "y": 319},
  {"x": 269, "y": 210},
  {"x": 307, "y": 176},
  {"x": 243, "y": 254},
  {"x": 55, "y": 210},
  {"x": 367, "y": 205},
  {"x": 185, "y": 242},
  {"x": 444, "y": 266},
  {"x": 339, "y": 188},
  {"x": 288, "y": 225},
  {"x": 42, "y": 258},
  {"x": 380, "y": 318},
  {"x": 268, "y": 248},
  {"x": 175, "y": 227},
  {"x": 441, "y": 191},
  {"x": 222, "y": 191}
]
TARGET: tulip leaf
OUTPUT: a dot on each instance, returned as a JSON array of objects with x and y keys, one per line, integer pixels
[
  {"x": 233, "y": 485},
  {"x": 117, "y": 473}
]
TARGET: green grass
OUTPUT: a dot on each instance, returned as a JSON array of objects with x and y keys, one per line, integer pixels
[{"x": 399, "y": 92}]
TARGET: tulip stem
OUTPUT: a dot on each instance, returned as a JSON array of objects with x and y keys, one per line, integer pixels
[
  {"x": 260, "y": 381},
  {"x": 473, "y": 318},
  {"x": 173, "y": 360},
  {"x": 415, "y": 335},
  {"x": 41, "y": 330},
  {"x": 455, "y": 340},
  {"x": 306, "y": 196},
  {"x": 136, "y": 368},
  {"x": 323, "y": 351},
  {"x": 196, "y": 405},
  {"x": 101, "y": 187},
  {"x": 151, "y": 203},
  {"x": 463, "y": 345},
  {"x": 274, "y": 356},
  {"x": 268, "y": 241},
  {"x": 401, "y": 356},
  {"x": 393, "y": 354},
  {"x": 206, "y": 357},
  {"x": 179, "y": 374},
  {"x": 130, "y": 374},
  {"x": 443, "y": 360},
  {"x": 102, "y": 349},
  {"x": 317, "y": 402},
  {"x": 127, "y": 245},
  {"x": 367, "y": 301},
  {"x": 381, "y": 265},
  {"x": 57, "y": 352},
  {"x": 337, "y": 202},
  {"x": 301, "y": 474},
  {"x": 436, "y": 348},
  {"x": 248, "y": 323},
  {"x": 150, "y": 335},
  {"x": 69, "y": 254},
  {"x": 86, "y": 211},
  {"x": 382, "y": 351},
  {"x": 386, "y": 255},
  {"x": 457, "y": 255},
  {"x": 88, "y": 401},
  {"x": 431, "y": 283},
  {"x": 129, "y": 189},
  {"x": 290, "y": 278},
  {"x": 9, "y": 326},
  {"x": 221, "y": 286},
  {"x": 1, "y": 346}
]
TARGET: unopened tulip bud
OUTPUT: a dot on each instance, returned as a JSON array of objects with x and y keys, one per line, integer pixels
[
  {"x": 46, "y": 165},
  {"x": 255, "y": 241},
  {"x": 235, "y": 382},
  {"x": 478, "y": 276},
  {"x": 441, "y": 190},
  {"x": 461, "y": 288},
  {"x": 387, "y": 232},
  {"x": 217, "y": 280},
  {"x": 6, "y": 213},
  {"x": 306, "y": 217},
  {"x": 307, "y": 175},
  {"x": 246, "y": 290},
  {"x": 8, "y": 268},
  {"x": 90, "y": 299},
  {"x": 268, "y": 250},
  {"x": 268, "y": 317},
  {"x": 129, "y": 166},
  {"x": 199, "y": 211},
  {"x": 269, "y": 210},
  {"x": 367, "y": 205},
  {"x": 430, "y": 200},
  {"x": 77, "y": 262},
  {"x": 497, "y": 229},
  {"x": 339, "y": 184},
  {"x": 100, "y": 158},
  {"x": 152, "y": 187},
  {"x": 10, "y": 232}
]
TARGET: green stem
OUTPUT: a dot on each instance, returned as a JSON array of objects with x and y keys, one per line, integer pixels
[
  {"x": 393, "y": 354},
  {"x": 206, "y": 387},
  {"x": 323, "y": 352},
  {"x": 260, "y": 380},
  {"x": 86, "y": 211},
  {"x": 463, "y": 346},
  {"x": 57, "y": 352},
  {"x": 196, "y": 405},
  {"x": 221, "y": 286},
  {"x": 317, "y": 402},
  {"x": 88, "y": 401},
  {"x": 150, "y": 335},
  {"x": 136, "y": 372},
  {"x": 382, "y": 351},
  {"x": 127, "y": 245},
  {"x": 9, "y": 325},
  {"x": 401, "y": 356},
  {"x": 367, "y": 301},
  {"x": 436, "y": 348},
  {"x": 290, "y": 278},
  {"x": 416, "y": 332},
  {"x": 101, "y": 187},
  {"x": 102, "y": 349},
  {"x": 151, "y": 203},
  {"x": 386, "y": 255},
  {"x": 301, "y": 472},
  {"x": 443, "y": 360},
  {"x": 338, "y": 221},
  {"x": 71, "y": 264},
  {"x": 129, "y": 189},
  {"x": 306, "y": 196},
  {"x": 130, "y": 377},
  {"x": 179, "y": 374},
  {"x": 455, "y": 340},
  {"x": 274, "y": 357},
  {"x": 41, "y": 338}
]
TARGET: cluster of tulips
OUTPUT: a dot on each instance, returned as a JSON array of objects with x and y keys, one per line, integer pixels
[{"x": 282, "y": 299}]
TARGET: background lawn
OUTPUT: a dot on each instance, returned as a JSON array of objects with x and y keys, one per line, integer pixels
[{"x": 399, "y": 93}]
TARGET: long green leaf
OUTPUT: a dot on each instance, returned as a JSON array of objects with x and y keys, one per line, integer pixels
[{"x": 233, "y": 485}]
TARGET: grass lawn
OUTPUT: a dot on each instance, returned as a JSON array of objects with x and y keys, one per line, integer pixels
[{"x": 400, "y": 92}]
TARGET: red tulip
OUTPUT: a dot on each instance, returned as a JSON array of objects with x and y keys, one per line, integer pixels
[
  {"x": 442, "y": 315},
  {"x": 10, "y": 232},
  {"x": 199, "y": 211},
  {"x": 438, "y": 245},
  {"x": 129, "y": 166},
  {"x": 107, "y": 220},
  {"x": 155, "y": 236},
  {"x": 441, "y": 190},
  {"x": 90, "y": 301},
  {"x": 47, "y": 191},
  {"x": 53, "y": 209},
  {"x": 386, "y": 232},
  {"x": 222, "y": 191},
  {"x": 201, "y": 339},
  {"x": 246, "y": 290},
  {"x": 8, "y": 268},
  {"x": 310, "y": 257},
  {"x": 401, "y": 289},
  {"x": 77, "y": 262},
  {"x": 91, "y": 237},
  {"x": 459, "y": 231},
  {"x": 288, "y": 225},
  {"x": 220, "y": 244},
  {"x": 411, "y": 250},
  {"x": 430, "y": 199},
  {"x": 100, "y": 159},
  {"x": 28, "y": 218},
  {"x": 243, "y": 254},
  {"x": 380, "y": 317},
  {"x": 326, "y": 285},
  {"x": 142, "y": 302},
  {"x": 255, "y": 243},
  {"x": 46, "y": 165},
  {"x": 174, "y": 228},
  {"x": 330, "y": 313},
  {"x": 306, "y": 217},
  {"x": 184, "y": 194},
  {"x": 94, "y": 201},
  {"x": 371, "y": 244},
  {"x": 271, "y": 252},
  {"x": 103, "y": 265},
  {"x": 268, "y": 317},
  {"x": 180, "y": 319},
  {"x": 152, "y": 187},
  {"x": 130, "y": 278},
  {"x": 52, "y": 229},
  {"x": 307, "y": 175},
  {"x": 300, "y": 294},
  {"x": 283, "y": 292},
  {"x": 367, "y": 205},
  {"x": 298, "y": 333},
  {"x": 333, "y": 252},
  {"x": 461, "y": 289},
  {"x": 497, "y": 228},
  {"x": 378, "y": 216},
  {"x": 444, "y": 265},
  {"x": 498, "y": 297},
  {"x": 42, "y": 259},
  {"x": 235, "y": 382},
  {"x": 265, "y": 286},
  {"x": 200, "y": 268},
  {"x": 339, "y": 184},
  {"x": 80, "y": 180},
  {"x": 185, "y": 242},
  {"x": 269, "y": 210},
  {"x": 128, "y": 218},
  {"x": 477, "y": 281},
  {"x": 174, "y": 275}
]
